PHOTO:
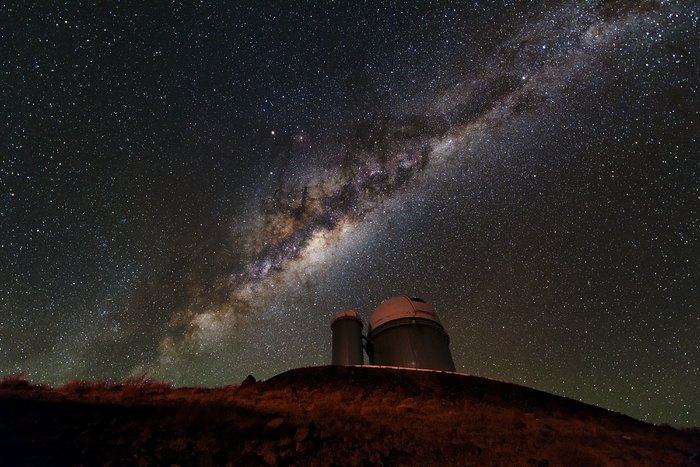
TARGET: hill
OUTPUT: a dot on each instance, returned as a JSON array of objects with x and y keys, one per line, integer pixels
[{"x": 324, "y": 416}]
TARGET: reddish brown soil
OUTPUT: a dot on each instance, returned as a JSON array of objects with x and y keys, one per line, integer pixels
[{"x": 326, "y": 416}]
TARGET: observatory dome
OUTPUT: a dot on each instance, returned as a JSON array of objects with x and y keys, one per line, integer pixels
[
  {"x": 399, "y": 307},
  {"x": 406, "y": 332},
  {"x": 352, "y": 314}
]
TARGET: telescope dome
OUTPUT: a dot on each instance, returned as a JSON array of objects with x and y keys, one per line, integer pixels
[
  {"x": 406, "y": 332},
  {"x": 352, "y": 314},
  {"x": 399, "y": 307}
]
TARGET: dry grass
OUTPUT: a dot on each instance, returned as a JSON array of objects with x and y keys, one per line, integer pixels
[
  {"x": 15, "y": 380},
  {"x": 331, "y": 415}
]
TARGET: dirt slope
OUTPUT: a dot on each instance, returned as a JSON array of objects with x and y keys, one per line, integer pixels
[{"x": 326, "y": 416}]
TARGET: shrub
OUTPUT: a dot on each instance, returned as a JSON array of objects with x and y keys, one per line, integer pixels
[
  {"x": 144, "y": 381},
  {"x": 130, "y": 388},
  {"x": 14, "y": 380}
]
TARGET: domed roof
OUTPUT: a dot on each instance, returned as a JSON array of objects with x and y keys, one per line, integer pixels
[
  {"x": 402, "y": 306},
  {"x": 352, "y": 314}
]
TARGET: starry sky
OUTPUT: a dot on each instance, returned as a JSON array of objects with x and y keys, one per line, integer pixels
[{"x": 194, "y": 189}]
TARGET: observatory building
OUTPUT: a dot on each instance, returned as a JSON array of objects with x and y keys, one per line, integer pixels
[
  {"x": 403, "y": 331},
  {"x": 347, "y": 338}
]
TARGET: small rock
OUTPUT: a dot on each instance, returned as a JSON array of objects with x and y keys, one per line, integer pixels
[
  {"x": 250, "y": 379},
  {"x": 145, "y": 461},
  {"x": 270, "y": 458},
  {"x": 405, "y": 407},
  {"x": 274, "y": 423},
  {"x": 285, "y": 441},
  {"x": 301, "y": 434}
]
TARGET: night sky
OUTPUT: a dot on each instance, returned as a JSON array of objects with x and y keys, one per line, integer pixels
[{"x": 194, "y": 190}]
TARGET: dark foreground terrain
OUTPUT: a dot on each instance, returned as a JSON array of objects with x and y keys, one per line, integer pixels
[{"x": 325, "y": 416}]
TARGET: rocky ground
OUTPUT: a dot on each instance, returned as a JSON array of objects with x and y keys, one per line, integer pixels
[{"x": 325, "y": 416}]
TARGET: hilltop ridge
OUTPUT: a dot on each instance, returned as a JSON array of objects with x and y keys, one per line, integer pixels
[{"x": 329, "y": 415}]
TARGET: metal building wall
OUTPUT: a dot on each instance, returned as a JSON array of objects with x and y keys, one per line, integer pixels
[
  {"x": 411, "y": 343},
  {"x": 347, "y": 341}
]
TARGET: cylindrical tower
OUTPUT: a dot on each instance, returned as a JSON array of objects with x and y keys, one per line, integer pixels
[
  {"x": 347, "y": 339},
  {"x": 405, "y": 331}
]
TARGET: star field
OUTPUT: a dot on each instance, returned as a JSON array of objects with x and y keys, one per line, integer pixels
[{"x": 194, "y": 190}]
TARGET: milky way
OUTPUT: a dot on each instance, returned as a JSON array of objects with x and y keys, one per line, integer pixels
[
  {"x": 385, "y": 156},
  {"x": 196, "y": 200}
]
